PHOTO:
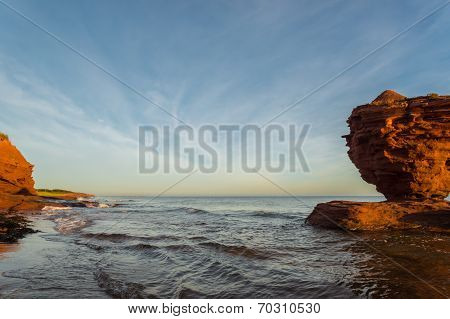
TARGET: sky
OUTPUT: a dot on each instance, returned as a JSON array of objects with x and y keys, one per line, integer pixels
[{"x": 206, "y": 62}]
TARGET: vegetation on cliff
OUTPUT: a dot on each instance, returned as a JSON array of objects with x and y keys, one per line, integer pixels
[{"x": 61, "y": 193}]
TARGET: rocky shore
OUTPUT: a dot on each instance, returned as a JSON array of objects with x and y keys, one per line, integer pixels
[
  {"x": 429, "y": 214},
  {"x": 19, "y": 198},
  {"x": 401, "y": 145}
]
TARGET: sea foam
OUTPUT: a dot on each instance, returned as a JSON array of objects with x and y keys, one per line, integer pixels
[{"x": 51, "y": 208}]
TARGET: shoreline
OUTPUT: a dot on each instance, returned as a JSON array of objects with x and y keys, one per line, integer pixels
[
  {"x": 172, "y": 234},
  {"x": 14, "y": 210}
]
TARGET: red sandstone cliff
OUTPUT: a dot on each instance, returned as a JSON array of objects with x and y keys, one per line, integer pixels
[
  {"x": 15, "y": 172},
  {"x": 401, "y": 145},
  {"x": 17, "y": 193}
]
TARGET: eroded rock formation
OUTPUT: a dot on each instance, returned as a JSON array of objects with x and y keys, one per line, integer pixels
[
  {"x": 17, "y": 191},
  {"x": 401, "y": 145},
  {"x": 15, "y": 172},
  {"x": 19, "y": 198}
]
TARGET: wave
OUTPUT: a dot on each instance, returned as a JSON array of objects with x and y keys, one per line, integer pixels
[
  {"x": 267, "y": 214},
  {"x": 53, "y": 208},
  {"x": 237, "y": 250},
  {"x": 198, "y": 238},
  {"x": 70, "y": 224},
  {"x": 183, "y": 247},
  {"x": 90, "y": 204},
  {"x": 189, "y": 210},
  {"x": 124, "y": 237},
  {"x": 90, "y": 245},
  {"x": 148, "y": 247},
  {"x": 192, "y": 210},
  {"x": 143, "y": 247},
  {"x": 110, "y": 237},
  {"x": 80, "y": 204},
  {"x": 118, "y": 288},
  {"x": 183, "y": 292}
]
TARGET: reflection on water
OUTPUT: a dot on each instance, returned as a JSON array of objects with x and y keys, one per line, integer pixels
[
  {"x": 218, "y": 248},
  {"x": 403, "y": 265},
  {"x": 7, "y": 248}
]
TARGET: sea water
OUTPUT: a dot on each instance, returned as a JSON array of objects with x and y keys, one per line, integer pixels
[{"x": 218, "y": 247}]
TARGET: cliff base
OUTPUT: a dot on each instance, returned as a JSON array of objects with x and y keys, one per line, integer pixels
[
  {"x": 18, "y": 197},
  {"x": 429, "y": 215}
]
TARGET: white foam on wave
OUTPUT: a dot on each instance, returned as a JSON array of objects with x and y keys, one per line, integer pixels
[
  {"x": 96, "y": 205},
  {"x": 52, "y": 208},
  {"x": 69, "y": 224}
]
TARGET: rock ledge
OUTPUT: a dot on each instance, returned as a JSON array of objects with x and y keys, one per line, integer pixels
[{"x": 402, "y": 146}]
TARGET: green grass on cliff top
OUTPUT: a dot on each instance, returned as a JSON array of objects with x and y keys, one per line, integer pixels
[{"x": 52, "y": 192}]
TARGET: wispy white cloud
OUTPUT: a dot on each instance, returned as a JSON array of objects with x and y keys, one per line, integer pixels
[{"x": 210, "y": 62}]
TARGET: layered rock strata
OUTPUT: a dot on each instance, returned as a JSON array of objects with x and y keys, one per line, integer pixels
[
  {"x": 402, "y": 146},
  {"x": 18, "y": 195},
  {"x": 15, "y": 172}
]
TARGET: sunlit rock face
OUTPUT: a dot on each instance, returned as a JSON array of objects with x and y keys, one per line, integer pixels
[
  {"x": 15, "y": 172},
  {"x": 406, "y": 214},
  {"x": 402, "y": 146}
]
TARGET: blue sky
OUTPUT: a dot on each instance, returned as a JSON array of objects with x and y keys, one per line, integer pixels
[{"x": 207, "y": 62}]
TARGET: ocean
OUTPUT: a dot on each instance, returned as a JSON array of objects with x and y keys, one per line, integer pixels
[{"x": 217, "y": 247}]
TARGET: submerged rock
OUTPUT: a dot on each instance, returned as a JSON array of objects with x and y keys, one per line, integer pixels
[
  {"x": 13, "y": 227},
  {"x": 402, "y": 146}
]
